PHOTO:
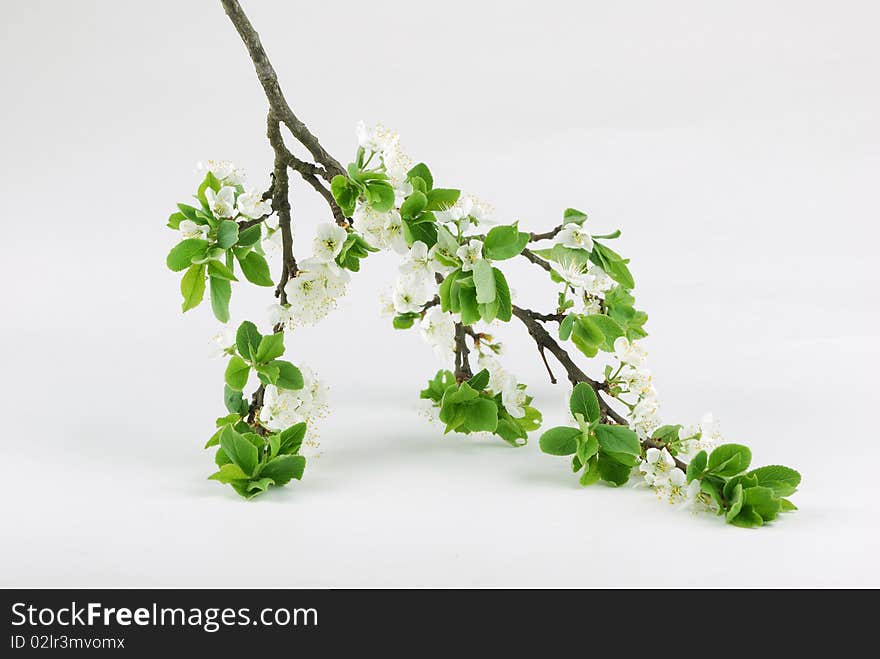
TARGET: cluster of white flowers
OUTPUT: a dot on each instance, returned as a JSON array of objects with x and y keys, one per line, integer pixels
[
  {"x": 283, "y": 408},
  {"x": 589, "y": 280},
  {"x": 466, "y": 209},
  {"x": 438, "y": 330},
  {"x": 659, "y": 471},
  {"x": 318, "y": 284},
  {"x": 230, "y": 202},
  {"x": 633, "y": 377},
  {"x": 513, "y": 394},
  {"x": 703, "y": 436},
  {"x": 386, "y": 144}
]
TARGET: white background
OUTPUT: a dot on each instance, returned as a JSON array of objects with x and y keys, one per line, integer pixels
[{"x": 736, "y": 145}]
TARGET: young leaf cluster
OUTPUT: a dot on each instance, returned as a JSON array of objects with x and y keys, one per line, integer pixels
[
  {"x": 469, "y": 406},
  {"x": 745, "y": 498},
  {"x": 599, "y": 451},
  {"x": 208, "y": 263}
]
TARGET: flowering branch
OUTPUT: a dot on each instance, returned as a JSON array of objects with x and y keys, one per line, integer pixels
[{"x": 449, "y": 281}]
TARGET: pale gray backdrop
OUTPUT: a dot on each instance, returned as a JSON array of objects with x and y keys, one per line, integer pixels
[{"x": 736, "y": 145}]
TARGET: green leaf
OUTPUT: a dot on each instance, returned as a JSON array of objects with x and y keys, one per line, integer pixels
[
  {"x": 697, "y": 466},
  {"x": 484, "y": 279},
  {"x": 787, "y": 506},
  {"x": 250, "y": 236},
  {"x": 736, "y": 503},
  {"x": 404, "y": 320},
  {"x": 763, "y": 501},
  {"x": 345, "y": 193},
  {"x": 783, "y": 481},
  {"x": 502, "y": 296},
  {"x": 587, "y": 336},
  {"x": 239, "y": 450},
  {"x": 566, "y": 326},
  {"x": 446, "y": 297},
  {"x": 271, "y": 347},
  {"x": 380, "y": 195},
  {"x": 289, "y": 376},
  {"x": 573, "y": 215},
  {"x": 504, "y": 242},
  {"x": 284, "y": 468},
  {"x": 467, "y": 300},
  {"x": 424, "y": 231},
  {"x": 560, "y": 440},
  {"x": 421, "y": 170},
  {"x": 440, "y": 199},
  {"x": 413, "y": 205},
  {"x": 729, "y": 460},
  {"x": 587, "y": 448},
  {"x": 253, "y": 487},
  {"x": 190, "y": 213},
  {"x": 227, "y": 234},
  {"x": 237, "y": 372},
  {"x": 481, "y": 415},
  {"x": 292, "y": 438},
  {"x": 479, "y": 381},
  {"x": 591, "y": 473},
  {"x": 256, "y": 269},
  {"x": 612, "y": 263},
  {"x": 228, "y": 473},
  {"x": 612, "y": 471},
  {"x": 617, "y": 439},
  {"x": 221, "y": 292},
  {"x": 182, "y": 254},
  {"x": 192, "y": 286},
  {"x": 220, "y": 271},
  {"x": 748, "y": 518},
  {"x": 233, "y": 400},
  {"x": 610, "y": 329},
  {"x": 584, "y": 401},
  {"x": 247, "y": 339}
]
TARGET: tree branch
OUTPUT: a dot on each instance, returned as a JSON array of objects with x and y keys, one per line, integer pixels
[
  {"x": 534, "y": 258},
  {"x": 269, "y": 80},
  {"x": 307, "y": 170},
  {"x": 462, "y": 365},
  {"x": 535, "y": 237}
]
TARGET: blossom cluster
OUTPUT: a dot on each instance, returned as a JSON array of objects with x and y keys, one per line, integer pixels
[
  {"x": 230, "y": 202},
  {"x": 283, "y": 408},
  {"x": 314, "y": 291}
]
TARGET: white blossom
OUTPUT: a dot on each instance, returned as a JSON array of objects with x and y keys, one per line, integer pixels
[
  {"x": 629, "y": 352},
  {"x": 703, "y": 437},
  {"x": 675, "y": 488},
  {"x": 329, "y": 241},
  {"x": 575, "y": 236},
  {"x": 189, "y": 229},
  {"x": 438, "y": 330},
  {"x": 222, "y": 203},
  {"x": 470, "y": 254},
  {"x": 461, "y": 209},
  {"x": 272, "y": 242},
  {"x": 251, "y": 204},
  {"x": 573, "y": 272},
  {"x": 386, "y": 305},
  {"x": 222, "y": 342},
  {"x": 513, "y": 397},
  {"x": 382, "y": 230},
  {"x": 498, "y": 376},
  {"x": 314, "y": 291},
  {"x": 637, "y": 380},
  {"x": 419, "y": 263},
  {"x": 279, "y": 314},
  {"x": 410, "y": 295},
  {"x": 283, "y": 408},
  {"x": 657, "y": 466},
  {"x": 645, "y": 416},
  {"x": 224, "y": 171}
]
